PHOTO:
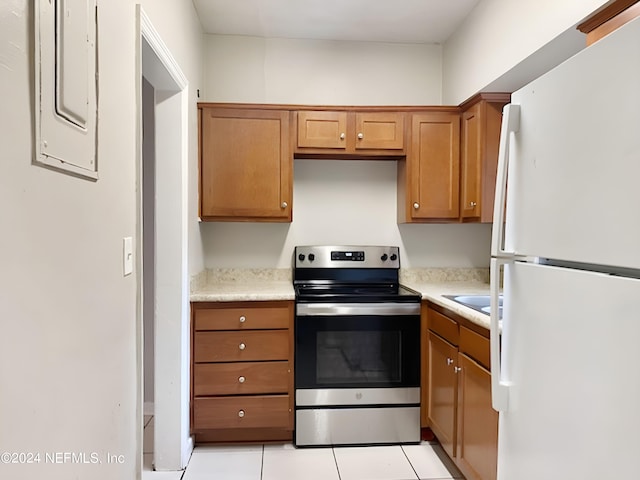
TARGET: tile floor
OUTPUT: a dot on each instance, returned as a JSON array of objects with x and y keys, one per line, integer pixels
[{"x": 284, "y": 462}]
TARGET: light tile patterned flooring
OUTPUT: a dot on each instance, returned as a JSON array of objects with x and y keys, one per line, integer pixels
[{"x": 284, "y": 462}]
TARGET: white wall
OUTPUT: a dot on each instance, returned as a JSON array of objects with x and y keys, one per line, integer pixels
[
  {"x": 257, "y": 70},
  {"x": 344, "y": 202},
  {"x": 68, "y": 371},
  {"x": 500, "y": 35}
]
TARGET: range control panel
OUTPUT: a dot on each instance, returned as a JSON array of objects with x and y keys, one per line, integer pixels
[
  {"x": 332, "y": 256},
  {"x": 357, "y": 256}
]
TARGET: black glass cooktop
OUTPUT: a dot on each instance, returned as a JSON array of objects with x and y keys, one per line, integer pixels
[{"x": 356, "y": 293}]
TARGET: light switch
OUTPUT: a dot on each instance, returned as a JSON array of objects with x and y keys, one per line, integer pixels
[{"x": 127, "y": 255}]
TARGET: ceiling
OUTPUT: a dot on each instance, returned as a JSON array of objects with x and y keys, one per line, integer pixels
[{"x": 396, "y": 21}]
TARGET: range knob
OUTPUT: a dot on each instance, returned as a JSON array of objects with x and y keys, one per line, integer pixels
[
  {"x": 394, "y": 257},
  {"x": 312, "y": 257},
  {"x": 301, "y": 257},
  {"x": 384, "y": 257}
]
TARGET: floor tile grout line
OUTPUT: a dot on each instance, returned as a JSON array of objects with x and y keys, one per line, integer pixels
[
  {"x": 410, "y": 464},
  {"x": 333, "y": 452},
  {"x": 262, "y": 463}
]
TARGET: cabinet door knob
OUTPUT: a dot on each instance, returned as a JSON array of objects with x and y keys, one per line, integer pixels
[
  {"x": 241, "y": 413},
  {"x": 472, "y": 204},
  {"x": 342, "y": 135},
  {"x": 457, "y": 369},
  {"x": 242, "y": 319},
  {"x": 360, "y": 136},
  {"x": 284, "y": 205},
  {"x": 241, "y": 379},
  {"x": 416, "y": 206},
  {"x": 242, "y": 346},
  {"x": 449, "y": 361}
]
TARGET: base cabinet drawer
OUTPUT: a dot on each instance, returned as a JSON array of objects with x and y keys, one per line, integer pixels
[
  {"x": 241, "y": 346},
  {"x": 243, "y": 318},
  {"x": 240, "y": 378},
  {"x": 266, "y": 411}
]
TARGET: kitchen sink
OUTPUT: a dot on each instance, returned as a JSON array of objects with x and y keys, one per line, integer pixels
[{"x": 480, "y": 303}]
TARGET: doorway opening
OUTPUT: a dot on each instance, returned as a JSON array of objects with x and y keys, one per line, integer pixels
[{"x": 161, "y": 246}]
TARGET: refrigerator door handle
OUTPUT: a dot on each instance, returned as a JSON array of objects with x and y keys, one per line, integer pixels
[
  {"x": 499, "y": 386},
  {"x": 510, "y": 123}
]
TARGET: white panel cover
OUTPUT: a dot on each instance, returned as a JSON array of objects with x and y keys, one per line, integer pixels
[
  {"x": 66, "y": 85},
  {"x": 575, "y": 162},
  {"x": 570, "y": 350}
]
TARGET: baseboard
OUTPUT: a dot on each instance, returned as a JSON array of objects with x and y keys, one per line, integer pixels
[{"x": 148, "y": 409}]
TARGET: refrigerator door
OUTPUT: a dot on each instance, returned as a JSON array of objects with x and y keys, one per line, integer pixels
[
  {"x": 570, "y": 353},
  {"x": 574, "y": 162}
]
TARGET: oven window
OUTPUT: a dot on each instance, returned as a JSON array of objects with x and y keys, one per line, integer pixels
[
  {"x": 347, "y": 357},
  {"x": 357, "y": 351}
]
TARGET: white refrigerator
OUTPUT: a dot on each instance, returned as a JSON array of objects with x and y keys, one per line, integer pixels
[{"x": 566, "y": 250}]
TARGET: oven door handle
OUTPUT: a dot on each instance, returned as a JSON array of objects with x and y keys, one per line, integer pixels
[{"x": 356, "y": 309}]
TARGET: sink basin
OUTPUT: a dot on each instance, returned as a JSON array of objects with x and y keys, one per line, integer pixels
[
  {"x": 474, "y": 300},
  {"x": 480, "y": 303},
  {"x": 487, "y": 310}
]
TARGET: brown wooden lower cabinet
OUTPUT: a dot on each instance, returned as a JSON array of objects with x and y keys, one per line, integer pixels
[
  {"x": 242, "y": 371},
  {"x": 477, "y": 435},
  {"x": 457, "y": 393},
  {"x": 443, "y": 388}
]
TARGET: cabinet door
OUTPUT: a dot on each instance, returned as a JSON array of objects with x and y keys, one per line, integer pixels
[
  {"x": 246, "y": 165},
  {"x": 380, "y": 130},
  {"x": 477, "y": 437},
  {"x": 470, "y": 163},
  {"x": 322, "y": 129},
  {"x": 480, "y": 140},
  {"x": 434, "y": 166},
  {"x": 443, "y": 388}
]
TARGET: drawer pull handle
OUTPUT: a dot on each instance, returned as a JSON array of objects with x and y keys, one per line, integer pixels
[
  {"x": 241, "y": 379},
  {"x": 242, "y": 346},
  {"x": 241, "y": 413},
  {"x": 243, "y": 319}
]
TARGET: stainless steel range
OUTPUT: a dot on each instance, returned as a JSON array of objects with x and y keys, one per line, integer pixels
[{"x": 357, "y": 348}]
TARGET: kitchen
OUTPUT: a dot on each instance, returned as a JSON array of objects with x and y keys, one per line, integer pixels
[{"x": 108, "y": 210}]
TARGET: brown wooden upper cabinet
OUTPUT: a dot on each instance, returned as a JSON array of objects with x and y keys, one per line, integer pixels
[
  {"x": 246, "y": 164},
  {"x": 481, "y": 121},
  {"x": 321, "y": 132},
  {"x": 429, "y": 178}
]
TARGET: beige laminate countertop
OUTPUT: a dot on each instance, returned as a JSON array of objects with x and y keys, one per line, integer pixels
[
  {"x": 231, "y": 286},
  {"x": 434, "y": 291},
  {"x": 246, "y": 291}
]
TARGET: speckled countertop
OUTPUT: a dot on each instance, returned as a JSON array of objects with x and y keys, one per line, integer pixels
[{"x": 236, "y": 285}]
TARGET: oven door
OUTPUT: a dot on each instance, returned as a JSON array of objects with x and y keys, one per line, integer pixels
[{"x": 355, "y": 346}]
